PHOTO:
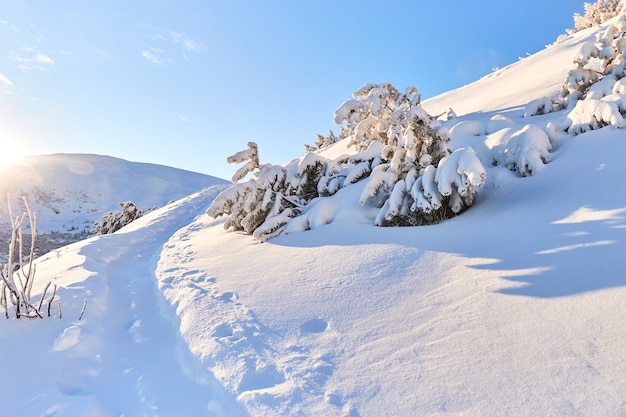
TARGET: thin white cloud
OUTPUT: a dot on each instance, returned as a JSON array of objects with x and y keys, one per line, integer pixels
[
  {"x": 31, "y": 58},
  {"x": 192, "y": 46},
  {"x": 160, "y": 51},
  {"x": 183, "y": 119},
  {"x": 150, "y": 57},
  {"x": 176, "y": 37},
  {"x": 5, "y": 82},
  {"x": 6, "y": 24},
  {"x": 44, "y": 59}
]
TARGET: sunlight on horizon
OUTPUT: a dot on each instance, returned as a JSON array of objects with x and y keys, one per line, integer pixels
[{"x": 9, "y": 152}]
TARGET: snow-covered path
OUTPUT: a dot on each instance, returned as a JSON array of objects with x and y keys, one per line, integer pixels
[{"x": 126, "y": 356}]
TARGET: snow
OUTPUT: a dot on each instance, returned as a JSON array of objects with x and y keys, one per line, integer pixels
[
  {"x": 585, "y": 52},
  {"x": 514, "y": 308},
  {"x": 592, "y": 114},
  {"x": 527, "y": 150},
  {"x": 539, "y": 106}
]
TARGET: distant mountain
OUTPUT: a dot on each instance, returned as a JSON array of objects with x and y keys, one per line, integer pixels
[{"x": 69, "y": 192}]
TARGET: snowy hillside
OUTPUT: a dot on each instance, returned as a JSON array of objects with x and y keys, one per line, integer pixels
[
  {"x": 508, "y": 87},
  {"x": 513, "y": 308},
  {"x": 71, "y": 191}
]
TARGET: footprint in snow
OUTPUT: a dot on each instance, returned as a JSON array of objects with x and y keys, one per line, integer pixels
[
  {"x": 228, "y": 296},
  {"x": 223, "y": 330},
  {"x": 317, "y": 325},
  {"x": 67, "y": 340}
]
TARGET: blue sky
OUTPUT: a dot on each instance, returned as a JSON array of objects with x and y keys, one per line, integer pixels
[{"x": 188, "y": 83}]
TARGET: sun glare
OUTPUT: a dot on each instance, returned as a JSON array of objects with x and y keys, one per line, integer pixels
[{"x": 9, "y": 152}]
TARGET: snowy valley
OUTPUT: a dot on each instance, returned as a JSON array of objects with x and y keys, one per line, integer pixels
[{"x": 512, "y": 308}]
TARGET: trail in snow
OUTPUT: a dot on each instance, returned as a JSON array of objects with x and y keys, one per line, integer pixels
[
  {"x": 126, "y": 357},
  {"x": 271, "y": 371}
]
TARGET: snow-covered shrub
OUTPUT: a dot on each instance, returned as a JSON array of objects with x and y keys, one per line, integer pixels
[
  {"x": 416, "y": 146},
  {"x": 395, "y": 140},
  {"x": 438, "y": 193},
  {"x": 602, "y": 88},
  {"x": 579, "y": 80},
  {"x": 593, "y": 114},
  {"x": 521, "y": 149},
  {"x": 585, "y": 53},
  {"x": 322, "y": 142},
  {"x": 595, "y": 14},
  {"x": 261, "y": 206},
  {"x": 496, "y": 143},
  {"x": 600, "y": 72},
  {"x": 498, "y": 122},
  {"x": 527, "y": 150},
  {"x": 113, "y": 221},
  {"x": 538, "y": 107}
]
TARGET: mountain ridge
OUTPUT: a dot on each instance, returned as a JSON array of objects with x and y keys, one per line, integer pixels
[{"x": 69, "y": 192}]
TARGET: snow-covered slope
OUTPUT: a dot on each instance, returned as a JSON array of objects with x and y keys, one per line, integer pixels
[
  {"x": 514, "y": 308},
  {"x": 532, "y": 77},
  {"x": 71, "y": 191}
]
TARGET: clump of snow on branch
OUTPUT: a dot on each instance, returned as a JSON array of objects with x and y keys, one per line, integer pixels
[
  {"x": 523, "y": 149},
  {"x": 527, "y": 150},
  {"x": 593, "y": 114}
]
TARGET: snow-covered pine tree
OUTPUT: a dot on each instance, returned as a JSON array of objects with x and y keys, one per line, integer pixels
[
  {"x": 437, "y": 194},
  {"x": 263, "y": 204},
  {"x": 113, "y": 221},
  {"x": 414, "y": 143},
  {"x": 416, "y": 185},
  {"x": 397, "y": 142},
  {"x": 322, "y": 142}
]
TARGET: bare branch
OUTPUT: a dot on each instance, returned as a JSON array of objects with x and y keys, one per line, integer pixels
[
  {"x": 43, "y": 296},
  {"x": 3, "y": 301},
  {"x": 83, "y": 310},
  {"x": 54, "y": 292}
]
